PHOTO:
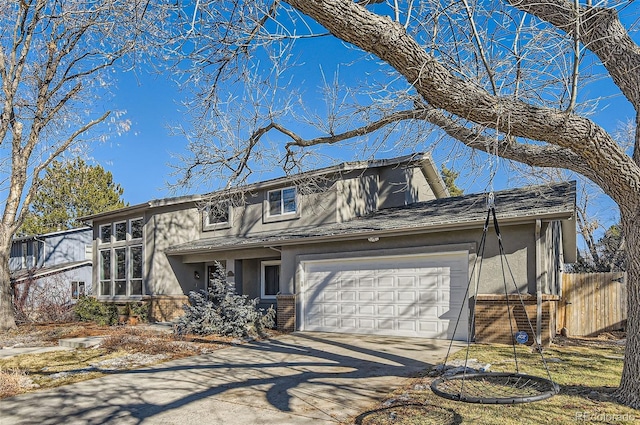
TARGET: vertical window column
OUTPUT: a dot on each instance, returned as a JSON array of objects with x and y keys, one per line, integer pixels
[{"x": 105, "y": 272}]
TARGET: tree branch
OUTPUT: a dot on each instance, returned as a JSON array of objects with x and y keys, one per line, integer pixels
[{"x": 610, "y": 167}]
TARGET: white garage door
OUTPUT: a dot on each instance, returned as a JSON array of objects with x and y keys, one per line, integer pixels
[{"x": 405, "y": 296}]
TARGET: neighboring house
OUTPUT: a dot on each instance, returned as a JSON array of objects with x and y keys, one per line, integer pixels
[
  {"x": 363, "y": 247},
  {"x": 53, "y": 268}
]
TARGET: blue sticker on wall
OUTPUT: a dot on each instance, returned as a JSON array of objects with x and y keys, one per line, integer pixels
[{"x": 522, "y": 337}]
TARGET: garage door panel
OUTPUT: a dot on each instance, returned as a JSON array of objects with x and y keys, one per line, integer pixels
[
  {"x": 366, "y": 310},
  {"x": 406, "y": 296},
  {"x": 366, "y": 282},
  {"x": 366, "y": 296},
  {"x": 389, "y": 295},
  {"x": 385, "y": 296},
  {"x": 386, "y": 310},
  {"x": 366, "y": 324}
]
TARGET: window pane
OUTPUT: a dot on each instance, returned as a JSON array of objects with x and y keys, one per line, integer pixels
[
  {"x": 121, "y": 287},
  {"x": 121, "y": 268},
  {"x": 121, "y": 231},
  {"x": 105, "y": 265},
  {"x": 136, "y": 287},
  {"x": 271, "y": 279},
  {"x": 275, "y": 198},
  {"x": 81, "y": 290},
  {"x": 136, "y": 229},
  {"x": 105, "y": 233},
  {"x": 105, "y": 287},
  {"x": 289, "y": 200},
  {"x": 219, "y": 213},
  {"x": 136, "y": 262},
  {"x": 74, "y": 290}
]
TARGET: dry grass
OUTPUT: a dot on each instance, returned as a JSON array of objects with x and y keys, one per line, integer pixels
[
  {"x": 123, "y": 348},
  {"x": 14, "y": 381},
  {"x": 587, "y": 374}
]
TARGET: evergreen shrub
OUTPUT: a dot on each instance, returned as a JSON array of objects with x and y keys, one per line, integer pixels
[{"x": 221, "y": 311}]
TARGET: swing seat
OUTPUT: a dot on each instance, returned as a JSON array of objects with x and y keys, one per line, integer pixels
[{"x": 494, "y": 388}]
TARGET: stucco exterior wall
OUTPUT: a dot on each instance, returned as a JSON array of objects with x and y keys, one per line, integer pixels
[
  {"x": 316, "y": 205},
  {"x": 168, "y": 275},
  {"x": 518, "y": 242}
]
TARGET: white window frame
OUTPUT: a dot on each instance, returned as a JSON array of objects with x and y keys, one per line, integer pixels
[
  {"x": 268, "y": 217},
  {"x": 113, "y": 272},
  {"x": 264, "y": 264},
  {"x": 130, "y": 233},
  {"x": 129, "y": 272},
  {"x": 207, "y": 225},
  {"x": 102, "y": 281},
  {"x": 79, "y": 293}
]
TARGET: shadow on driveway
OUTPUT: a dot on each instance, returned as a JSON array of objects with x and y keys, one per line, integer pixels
[{"x": 301, "y": 378}]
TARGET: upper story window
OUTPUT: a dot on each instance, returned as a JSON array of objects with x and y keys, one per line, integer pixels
[
  {"x": 121, "y": 231},
  {"x": 105, "y": 233},
  {"x": 217, "y": 215},
  {"x": 282, "y": 202},
  {"x": 135, "y": 228}
]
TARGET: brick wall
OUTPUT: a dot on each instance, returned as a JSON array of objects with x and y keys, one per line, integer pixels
[
  {"x": 492, "y": 318},
  {"x": 165, "y": 308},
  {"x": 286, "y": 313}
]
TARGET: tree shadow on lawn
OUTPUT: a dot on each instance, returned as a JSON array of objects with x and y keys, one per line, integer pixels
[{"x": 308, "y": 377}]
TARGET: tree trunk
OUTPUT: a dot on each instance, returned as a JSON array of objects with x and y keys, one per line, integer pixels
[
  {"x": 629, "y": 391},
  {"x": 7, "y": 313}
]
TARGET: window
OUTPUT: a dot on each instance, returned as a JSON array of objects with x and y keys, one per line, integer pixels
[
  {"x": 135, "y": 272},
  {"x": 121, "y": 231},
  {"x": 121, "y": 264},
  {"x": 269, "y": 279},
  {"x": 121, "y": 271},
  {"x": 105, "y": 233},
  {"x": 77, "y": 290},
  {"x": 105, "y": 272},
  {"x": 217, "y": 215},
  {"x": 136, "y": 226},
  {"x": 282, "y": 201}
]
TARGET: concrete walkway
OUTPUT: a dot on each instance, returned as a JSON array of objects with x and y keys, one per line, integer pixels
[{"x": 301, "y": 378}]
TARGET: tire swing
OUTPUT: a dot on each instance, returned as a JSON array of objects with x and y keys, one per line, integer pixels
[{"x": 494, "y": 387}]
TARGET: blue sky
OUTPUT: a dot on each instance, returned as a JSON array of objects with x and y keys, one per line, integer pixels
[{"x": 140, "y": 158}]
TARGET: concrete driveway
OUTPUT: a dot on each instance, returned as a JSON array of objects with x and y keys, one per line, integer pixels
[{"x": 301, "y": 378}]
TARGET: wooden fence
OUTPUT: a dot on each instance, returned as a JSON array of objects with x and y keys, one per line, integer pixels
[{"x": 592, "y": 303}]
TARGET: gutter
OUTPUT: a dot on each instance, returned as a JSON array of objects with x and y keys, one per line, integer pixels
[
  {"x": 52, "y": 271},
  {"x": 430, "y": 172}
]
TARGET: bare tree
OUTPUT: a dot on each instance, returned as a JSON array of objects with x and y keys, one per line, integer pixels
[
  {"x": 506, "y": 78},
  {"x": 55, "y": 63}
]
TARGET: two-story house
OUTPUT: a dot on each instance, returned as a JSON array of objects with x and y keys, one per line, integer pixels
[
  {"x": 51, "y": 268},
  {"x": 362, "y": 247}
]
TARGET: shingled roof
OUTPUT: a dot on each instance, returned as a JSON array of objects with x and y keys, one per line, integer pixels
[{"x": 546, "y": 202}]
